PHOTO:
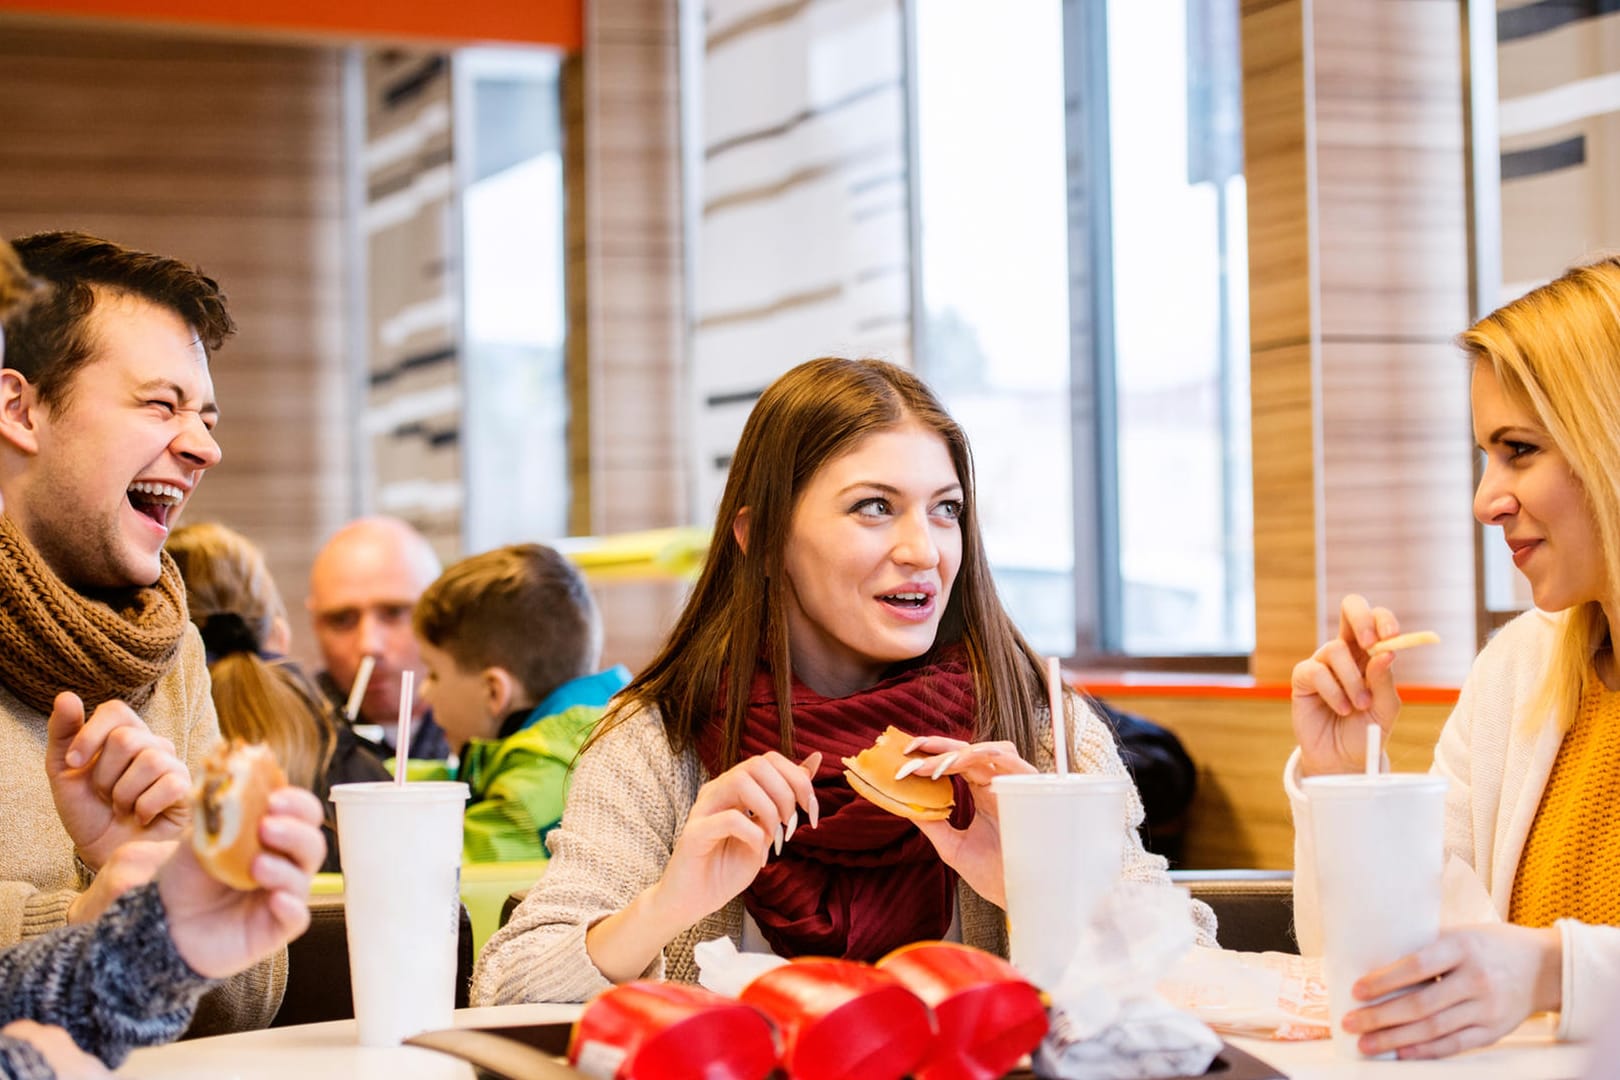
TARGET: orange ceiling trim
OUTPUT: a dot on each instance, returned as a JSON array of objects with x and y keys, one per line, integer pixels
[{"x": 557, "y": 23}]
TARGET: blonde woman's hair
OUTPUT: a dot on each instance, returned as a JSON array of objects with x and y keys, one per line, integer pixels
[
  {"x": 235, "y": 604},
  {"x": 1556, "y": 352}
]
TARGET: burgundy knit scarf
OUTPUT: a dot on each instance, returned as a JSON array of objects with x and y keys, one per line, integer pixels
[{"x": 864, "y": 882}]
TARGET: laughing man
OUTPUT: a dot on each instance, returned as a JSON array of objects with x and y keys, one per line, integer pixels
[{"x": 106, "y": 426}]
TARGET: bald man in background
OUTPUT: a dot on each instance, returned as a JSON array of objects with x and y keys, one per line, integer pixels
[{"x": 362, "y": 588}]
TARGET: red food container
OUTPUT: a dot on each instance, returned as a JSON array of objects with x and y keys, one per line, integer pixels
[
  {"x": 988, "y": 1015},
  {"x": 840, "y": 1020},
  {"x": 670, "y": 1031}
]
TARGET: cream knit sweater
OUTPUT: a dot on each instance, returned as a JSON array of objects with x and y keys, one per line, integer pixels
[
  {"x": 628, "y": 803},
  {"x": 38, "y": 875},
  {"x": 1498, "y": 759}
]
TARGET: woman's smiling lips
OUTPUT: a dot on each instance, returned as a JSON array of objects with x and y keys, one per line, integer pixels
[
  {"x": 912, "y": 602},
  {"x": 1522, "y": 550}
]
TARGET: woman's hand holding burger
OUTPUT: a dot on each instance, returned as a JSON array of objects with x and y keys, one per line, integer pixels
[
  {"x": 973, "y": 852},
  {"x": 221, "y": 928},
  {"x": 737, "y": 820}
]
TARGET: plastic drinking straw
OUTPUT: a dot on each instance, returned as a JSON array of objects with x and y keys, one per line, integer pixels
[
  {"x": 1375, "y": 752},
  {"x": 402, "y": 741},
  {"x": 357, "y": 692},
  {"x": 1060, "y": 727}
]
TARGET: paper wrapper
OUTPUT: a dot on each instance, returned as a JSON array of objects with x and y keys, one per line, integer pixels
[{"x": 1108, "y": 1021}]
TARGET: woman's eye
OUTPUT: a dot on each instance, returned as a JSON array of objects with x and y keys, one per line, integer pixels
[
  {"x": 1518, "y": 450},
  {"x": 950, "y": 509},
  {"x": 871, "y": 507}
]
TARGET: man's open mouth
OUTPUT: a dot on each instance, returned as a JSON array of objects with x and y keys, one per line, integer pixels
[{"x": 155, "y": 500}]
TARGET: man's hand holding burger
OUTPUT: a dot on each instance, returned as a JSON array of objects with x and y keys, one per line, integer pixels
[
  {"x": 219, "y": 929},
  {"x": 113, "y": 780}
]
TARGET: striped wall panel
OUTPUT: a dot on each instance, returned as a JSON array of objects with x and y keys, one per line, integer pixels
[
  {"x": 1558, "y": 80},
  {"x": 802, "y": 245},
  {"x": 228, "y": 155},
  {"x": 411, "y": 415}
]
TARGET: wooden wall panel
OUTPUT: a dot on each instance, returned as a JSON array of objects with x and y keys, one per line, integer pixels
[
  {"x": 1358, "y": 281},
  {"x": 227, "y": 156},
  {"x": 626, "y": 286},
  {"x": 1240, "y": 816}
]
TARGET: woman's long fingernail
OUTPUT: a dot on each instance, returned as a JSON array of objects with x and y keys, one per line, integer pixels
[
  {"x": 911, "y": 746},
  {"x": 812, "y": 764},
  {"x": 908, "y": 768},
  {"x": 944, "y": 763},
  {"x": 792, "y": 827},
  {"x": 815, "y": 810},
  {"x": 777, "y": 841}
]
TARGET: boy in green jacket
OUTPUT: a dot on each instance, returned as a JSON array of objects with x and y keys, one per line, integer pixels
[{"x": 511, "y": 639}]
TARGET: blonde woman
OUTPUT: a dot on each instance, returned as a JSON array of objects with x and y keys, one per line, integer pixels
[
  {"x": 259, "y": 695},
  {"x": 1532, "y": 750}
]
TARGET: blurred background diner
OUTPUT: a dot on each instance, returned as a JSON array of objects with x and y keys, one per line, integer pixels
[{"x": 1189, "y": 273}]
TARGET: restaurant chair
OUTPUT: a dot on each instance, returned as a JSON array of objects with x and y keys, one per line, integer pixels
[
  {"x": 513, "y": 899},
  {"x": 318, "y": 986},
  {"x": 1254, "y": 909}
]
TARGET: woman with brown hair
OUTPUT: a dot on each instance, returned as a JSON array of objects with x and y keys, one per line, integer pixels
[
  {"x": 846, "y": 589},
  {"x": 259, "y": 695}
]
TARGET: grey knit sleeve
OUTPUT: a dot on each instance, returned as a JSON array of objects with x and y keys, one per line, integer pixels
[
  {"x": 19, "y": 1060},
  {"x": 114, "y": 984}
]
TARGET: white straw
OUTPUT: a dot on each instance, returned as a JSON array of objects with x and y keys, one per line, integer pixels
[
  {"x": 1375, "y": 752},
  {"x": 1060, "y": 727},
  {"x": 402, "y": 740},
  {"x": 357, "y": 692}
]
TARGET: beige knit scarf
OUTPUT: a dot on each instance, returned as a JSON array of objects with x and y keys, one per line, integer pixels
[{"x": 54, "y": 638}]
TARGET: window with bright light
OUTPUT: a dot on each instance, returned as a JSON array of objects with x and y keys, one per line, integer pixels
[
  {"x": 1083, "y": 265},
  {"x": 515, "y": 391}
]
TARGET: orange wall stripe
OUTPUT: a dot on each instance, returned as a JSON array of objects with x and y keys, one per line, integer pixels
[{"x": 1158, "y": 686}]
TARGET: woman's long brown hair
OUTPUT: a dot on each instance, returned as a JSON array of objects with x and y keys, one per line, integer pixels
[{"x": 735, "y": 616}]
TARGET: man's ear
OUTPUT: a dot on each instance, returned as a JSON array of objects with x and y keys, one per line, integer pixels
[
  {"x": 500, "y": 690},
  {"x": 739, "y": 529},
  {"x": 20, "y": 410},
  {"x": 279, "y": 640}
]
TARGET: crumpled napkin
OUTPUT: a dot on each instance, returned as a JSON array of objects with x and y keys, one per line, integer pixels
[
  {"x": 725, "y": 970},
  {"x": 1108, "y": 1021}
]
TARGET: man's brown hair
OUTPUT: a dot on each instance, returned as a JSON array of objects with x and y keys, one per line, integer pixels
[
  {"x": 17, "y": 289},
  {"x": 49, "y": 341},
  {"x": 524, "y": 608}
]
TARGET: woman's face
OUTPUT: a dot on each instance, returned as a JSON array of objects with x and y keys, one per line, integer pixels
[
  {"x": 1529, "y": 489},
  {"x": 872, "y": 553}
]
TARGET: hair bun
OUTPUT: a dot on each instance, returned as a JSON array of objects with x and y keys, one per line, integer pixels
[{"x": 226, "y": 632}]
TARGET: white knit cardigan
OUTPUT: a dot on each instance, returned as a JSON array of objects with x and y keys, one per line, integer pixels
[
  {"x": 1498, "y": 760},
  {"x": 628, "y": 803}
]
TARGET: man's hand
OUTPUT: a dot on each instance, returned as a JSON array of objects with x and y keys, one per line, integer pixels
[
  {"x": 58, "y": 1049},
  {"x": 219, "y": 930},
  {"x": 112, "y": 779},
  {"x": 133, "y": 864}
]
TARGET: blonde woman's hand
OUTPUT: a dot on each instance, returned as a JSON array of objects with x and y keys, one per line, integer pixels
[
  {"x": 1340, "y": 690},
  {"x": 737, "y": 820},
  {"x": 1469, "y": 988},
  {"x": 973, "y": 852}
]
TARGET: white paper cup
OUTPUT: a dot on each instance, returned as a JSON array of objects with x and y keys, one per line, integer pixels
[
  {"x": 1380, "y": 857},
  {"x": 1060, "y": 856},
  {"x": 401, "y": 848}
]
